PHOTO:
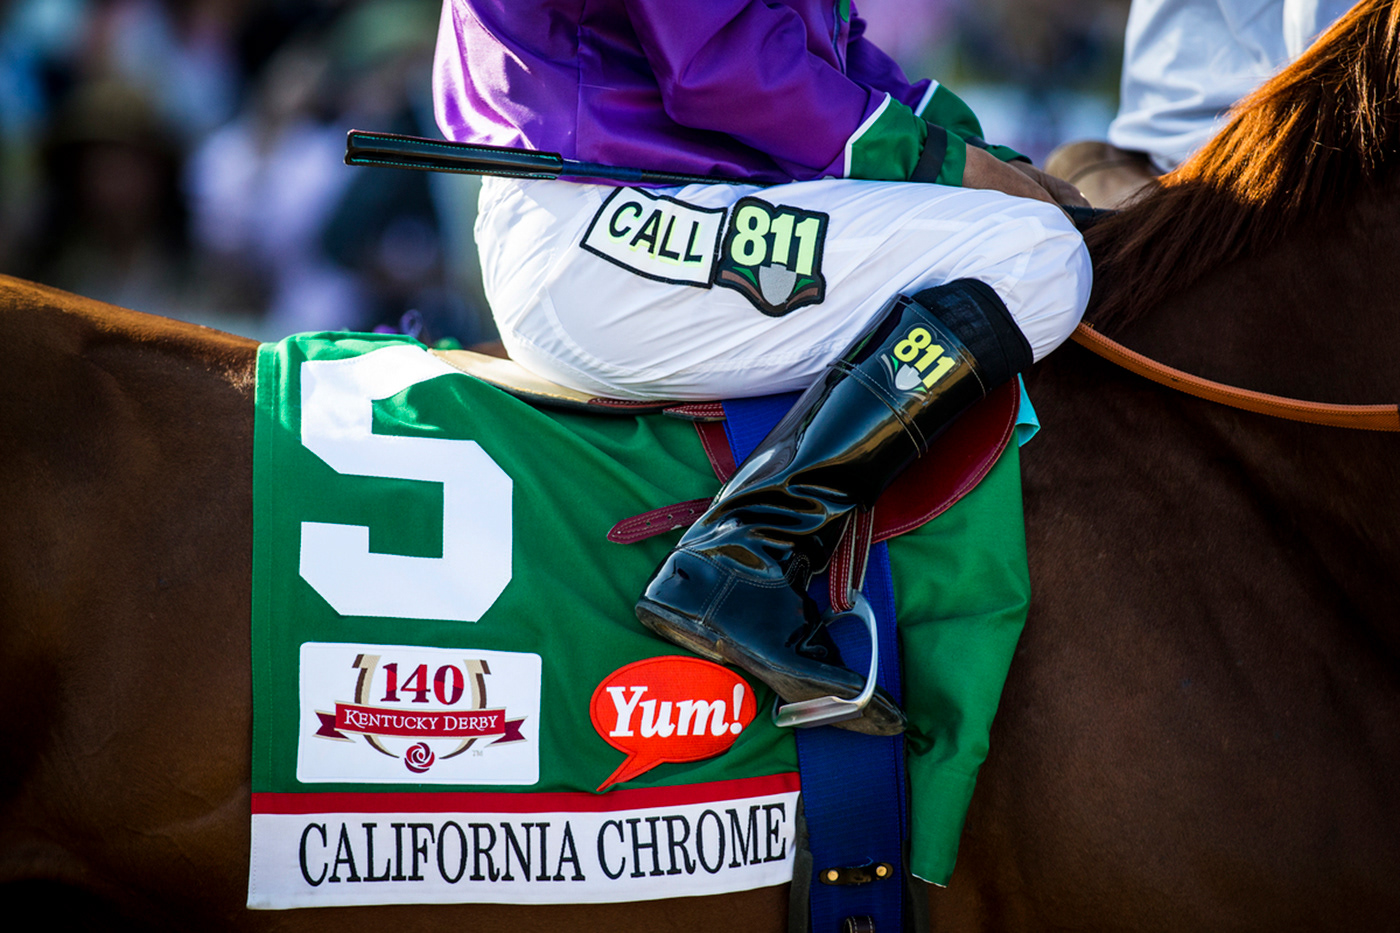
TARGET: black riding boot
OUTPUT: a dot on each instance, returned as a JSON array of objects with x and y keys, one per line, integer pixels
[{"x": 735, "y": 587}]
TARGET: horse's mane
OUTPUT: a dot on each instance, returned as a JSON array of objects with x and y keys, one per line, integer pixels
[{"x": 1298, "y": 150}]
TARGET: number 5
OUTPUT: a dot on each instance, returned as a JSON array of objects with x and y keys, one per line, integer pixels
[{"x": 336, "y": 412}]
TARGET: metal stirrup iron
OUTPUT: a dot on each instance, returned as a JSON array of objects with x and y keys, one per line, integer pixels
[{"x": 823, "y": 711}]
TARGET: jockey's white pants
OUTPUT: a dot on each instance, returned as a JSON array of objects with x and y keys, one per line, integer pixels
[
  {"x": 1186, "y": 62},
  {"x": 606, "y": 324}
]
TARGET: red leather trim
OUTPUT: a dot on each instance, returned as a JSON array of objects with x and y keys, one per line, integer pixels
[
  {"x": 848, "y": 565},
  {"x": 697, "y": 411},
  {"x": 657, "y": 521},
  {"x": 682, "y": 514},
  {"x": 955, "y": 463},
  {"x": 626, "y": 406},
  {"x": 716, "y": 444}
]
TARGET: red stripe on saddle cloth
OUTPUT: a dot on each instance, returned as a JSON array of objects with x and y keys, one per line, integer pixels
[
  {"x": 624, "y": 798},
  {"x": 956, "y": 462}
]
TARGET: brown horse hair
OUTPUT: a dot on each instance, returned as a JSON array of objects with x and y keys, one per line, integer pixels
[{"x": 1299, "y": 150}]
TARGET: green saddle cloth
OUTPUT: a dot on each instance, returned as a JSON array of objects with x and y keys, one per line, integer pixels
[{"x": 432, "y": 511}]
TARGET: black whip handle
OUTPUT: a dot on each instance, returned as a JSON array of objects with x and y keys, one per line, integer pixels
[{"x": 436, "y": 155}]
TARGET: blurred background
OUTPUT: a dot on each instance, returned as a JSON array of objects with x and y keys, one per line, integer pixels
[{"x": 184, "y": 157}]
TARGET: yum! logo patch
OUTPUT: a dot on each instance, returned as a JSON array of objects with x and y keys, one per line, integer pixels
[
  {"x": 404, "y": 714},
  {"x": 670, "y": 709}
]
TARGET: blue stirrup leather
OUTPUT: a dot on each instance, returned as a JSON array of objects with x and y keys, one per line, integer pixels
[{"x": 853, "y": 785}]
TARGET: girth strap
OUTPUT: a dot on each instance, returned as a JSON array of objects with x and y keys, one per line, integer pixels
[{"x": 853, "y": 785}]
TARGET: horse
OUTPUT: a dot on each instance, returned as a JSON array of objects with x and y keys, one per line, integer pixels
[{"x": 1201, "y": 728}]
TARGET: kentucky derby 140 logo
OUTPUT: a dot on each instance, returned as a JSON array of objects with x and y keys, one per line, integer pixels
[{"x": 405, "y": 714}]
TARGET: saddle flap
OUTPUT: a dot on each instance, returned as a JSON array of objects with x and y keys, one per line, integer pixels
[{"x": 956, "y": 462}]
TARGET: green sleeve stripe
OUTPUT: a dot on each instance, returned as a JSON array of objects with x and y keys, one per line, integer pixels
[
  {"x": 891, "y": 144},
  {"x": 942, "y": 107},
  {"x": 948, "y": 110},
  {"x": 887, "y": 145},
  {"x": 1007, "y": 154},
  {"x": 954, "y": 161}
]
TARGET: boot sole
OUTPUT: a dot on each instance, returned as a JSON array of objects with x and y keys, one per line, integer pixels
[{"x": 679, "y": 630}]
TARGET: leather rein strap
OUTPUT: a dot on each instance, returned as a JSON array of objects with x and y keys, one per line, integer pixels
[{"x": 1360, "y": 417}]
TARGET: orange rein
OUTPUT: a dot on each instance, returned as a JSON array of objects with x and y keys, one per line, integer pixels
[{"x": 1360, "y": 417}]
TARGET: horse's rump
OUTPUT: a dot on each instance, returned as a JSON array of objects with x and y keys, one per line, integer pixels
[{"x": 125, "y": 556}]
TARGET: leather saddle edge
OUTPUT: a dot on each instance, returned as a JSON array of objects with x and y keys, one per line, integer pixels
[{"x": 512, "y": 378}]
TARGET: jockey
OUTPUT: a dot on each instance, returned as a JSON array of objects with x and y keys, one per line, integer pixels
[
  {"x": 1185, "y": 64},
  {"x": 895, "y": 306}
]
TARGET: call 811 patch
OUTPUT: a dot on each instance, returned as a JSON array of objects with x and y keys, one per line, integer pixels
[
  {"x": 772, "y": 255},
  {"x": 656, "y": 236}
]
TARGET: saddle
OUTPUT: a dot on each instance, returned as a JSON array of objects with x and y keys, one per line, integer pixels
[{"x": 956, "y": 461}]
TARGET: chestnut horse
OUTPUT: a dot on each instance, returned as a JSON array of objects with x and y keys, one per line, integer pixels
[{"x": 1201, "y": 730}]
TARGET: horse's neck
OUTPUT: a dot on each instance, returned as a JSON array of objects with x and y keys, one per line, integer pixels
[
  {"x": 1314, "y": 318},
  {"x": 1317, "y": 318}
]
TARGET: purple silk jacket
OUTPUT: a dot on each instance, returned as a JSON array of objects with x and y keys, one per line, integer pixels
[{"x": 770, "y": 91}]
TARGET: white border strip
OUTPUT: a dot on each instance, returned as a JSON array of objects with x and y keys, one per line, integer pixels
[
  {"x": 546, "y": 857},
  {"x": 924, "y": 101}
]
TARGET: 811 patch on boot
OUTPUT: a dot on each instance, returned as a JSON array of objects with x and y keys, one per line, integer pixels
[
  {"x": 772, "y": 255},
  {"x": 921, "y": 361}
]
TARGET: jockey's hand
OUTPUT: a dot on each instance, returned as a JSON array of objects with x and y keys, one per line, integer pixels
[
  {"x": 984, "y": 170},
  {"x": 1062, "y": 191}
]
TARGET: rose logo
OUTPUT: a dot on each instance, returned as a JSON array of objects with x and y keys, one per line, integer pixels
[{"x": 419, "y": 758}]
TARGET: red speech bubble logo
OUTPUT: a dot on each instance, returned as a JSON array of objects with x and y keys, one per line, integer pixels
[{"x": 670, "y": 709}]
